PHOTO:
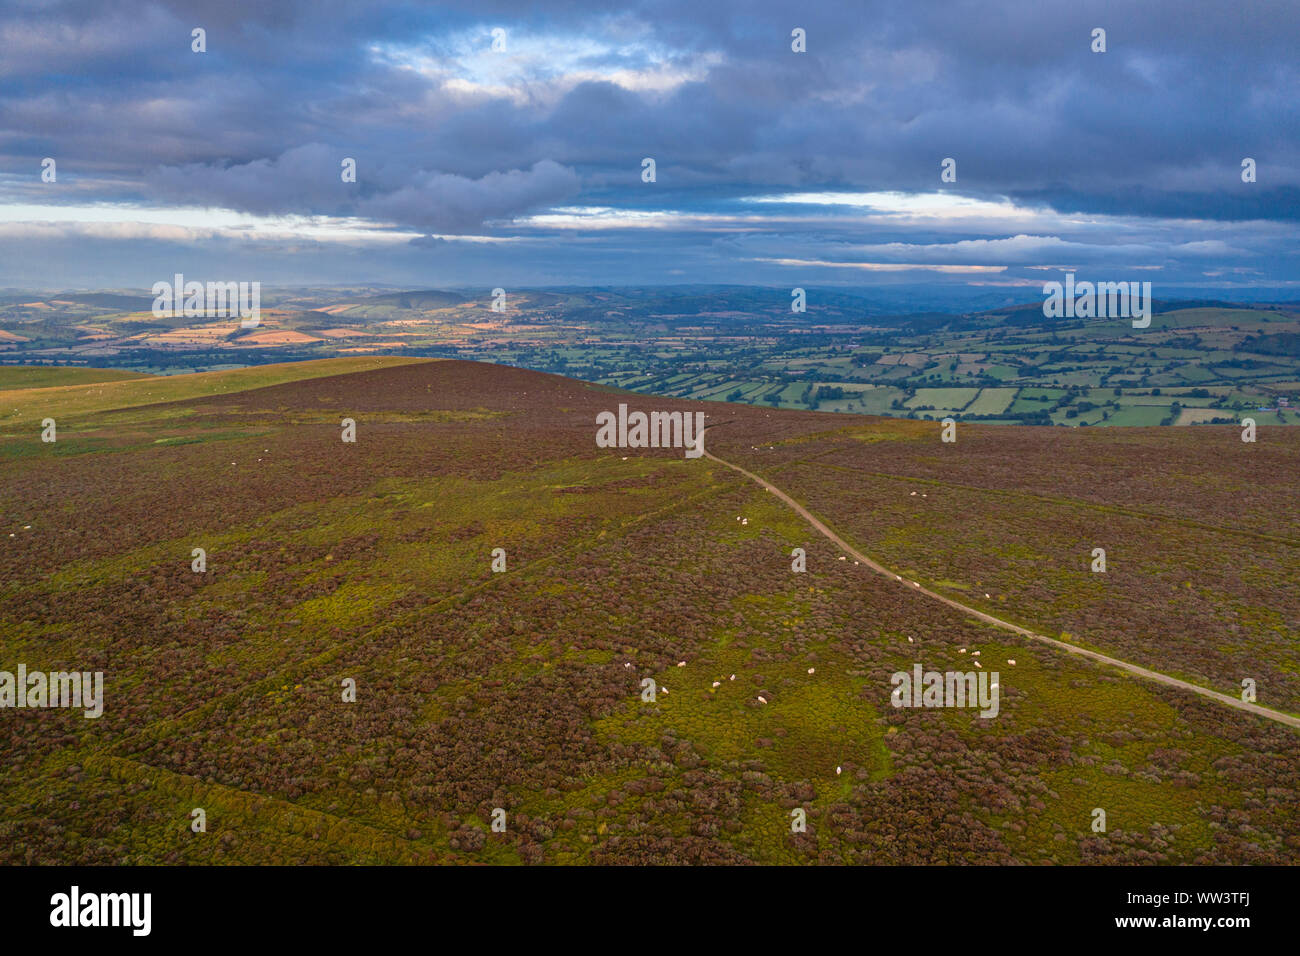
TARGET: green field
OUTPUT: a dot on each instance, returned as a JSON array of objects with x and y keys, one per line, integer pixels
[
  {"x": 992, "y": 401},
  {"x": 943, "y": 398},
  {"x": 1011, "y": 366}
]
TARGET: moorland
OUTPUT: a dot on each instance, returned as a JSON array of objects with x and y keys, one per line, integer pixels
[{"x": 521, "y": 690}]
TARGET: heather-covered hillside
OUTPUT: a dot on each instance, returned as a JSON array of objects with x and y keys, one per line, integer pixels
[{"x": 330, "y": 564}]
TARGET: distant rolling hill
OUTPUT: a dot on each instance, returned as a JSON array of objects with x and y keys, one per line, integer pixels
[
  {"x": 430, "y": 299},
  {"x": 1206, "y": 364}
]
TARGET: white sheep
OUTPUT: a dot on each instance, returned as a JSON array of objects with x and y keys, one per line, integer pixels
[
  {"x": 762, "y": 699},
  {"x": 1011, "y": 662}
]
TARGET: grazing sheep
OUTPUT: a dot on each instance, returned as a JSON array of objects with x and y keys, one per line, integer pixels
[
  {"x": 811, "y": 669},
  {"x": 1011, "y": 662},
  {"x": 979, "y": 665},
  {"x": 910, "y": 641},
  {"x": 961, "y": 651},
  {"x": 744, "y": 521},
  {"x": 733, "y": 677},
  {"x": 842, "y": 558},
  {"x": 974, "y": 653},
  {"x": 986, "y": 593},
  {"x": 838, "y": 771},
  {"x": 762, "y": 700},
  {"x": 717, "y": 683}
]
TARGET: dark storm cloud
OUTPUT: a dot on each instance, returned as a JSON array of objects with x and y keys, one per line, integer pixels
[
  {"x": 308, "y": 178},
  {"x": 441, "y": 202},
  {"x": 451, "y": 138}
]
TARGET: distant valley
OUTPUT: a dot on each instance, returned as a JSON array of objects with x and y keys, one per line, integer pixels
[{"x": 1199, "y": 362}]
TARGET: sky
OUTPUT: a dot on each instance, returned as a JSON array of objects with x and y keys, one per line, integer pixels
[{"x": 504, "y": 144}]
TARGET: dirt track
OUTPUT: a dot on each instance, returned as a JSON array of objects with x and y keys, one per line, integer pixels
[{"x": 1214, "y": 695}]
